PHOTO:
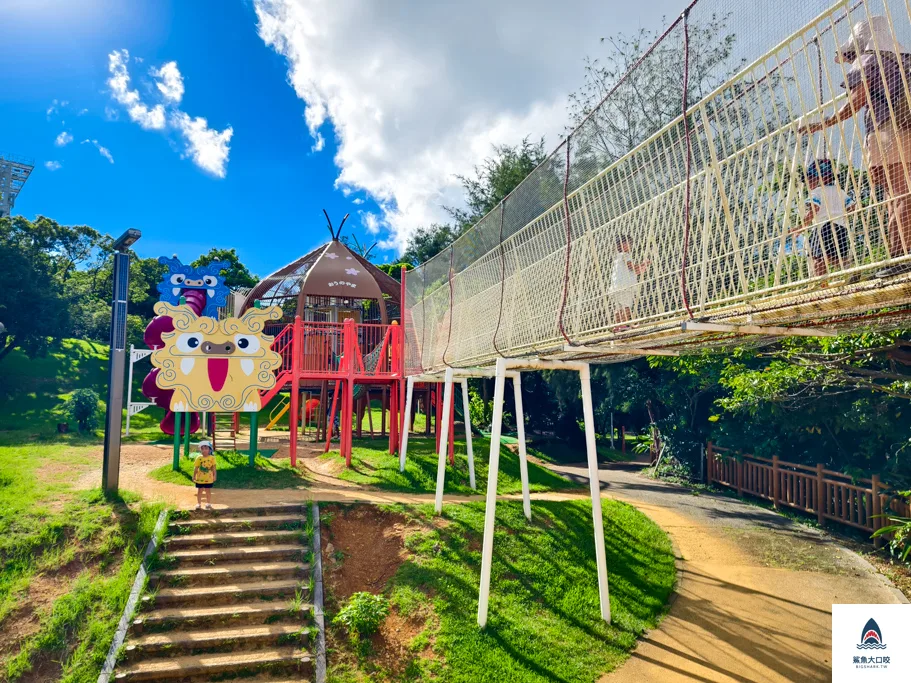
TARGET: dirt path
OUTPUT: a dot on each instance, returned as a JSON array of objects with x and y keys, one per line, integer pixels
[{"x": 755, "y": 590}]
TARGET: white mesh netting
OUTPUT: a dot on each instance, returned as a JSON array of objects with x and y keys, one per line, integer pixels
[{"x": 626, "y": 231}]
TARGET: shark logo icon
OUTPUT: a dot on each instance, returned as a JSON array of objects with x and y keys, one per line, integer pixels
[{"x": 871, "y": 637}]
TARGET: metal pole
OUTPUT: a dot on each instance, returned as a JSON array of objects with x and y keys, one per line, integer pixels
[
  {"x": 186, "y": 434},
  {"x": 491, "y": 506},
  {"x": 444, "y": 435},
  {"x": 254, "y": 427},
  {"x": 176, "y": 464},
  {"x": 591, "y": 448},
  {"x": 113, "y": 419},
  {"x": 469, "y": 446},
  {"x": 409, "y": 397},
  {"x": 523, "y": 453}
]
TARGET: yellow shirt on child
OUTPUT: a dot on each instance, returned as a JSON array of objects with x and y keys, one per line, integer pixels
[{"x": 204, "y": 471}]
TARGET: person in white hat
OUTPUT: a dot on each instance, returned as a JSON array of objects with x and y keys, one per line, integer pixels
[
  {"x": 205, "y": 473},
  {"x": 876, "y": 83}
]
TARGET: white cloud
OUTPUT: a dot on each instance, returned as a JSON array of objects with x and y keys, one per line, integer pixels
[
  {"x": 149, "y": 118},
  {"x": 207, "y": 147},
  {"x": 102, "y": 150},
  {"x": 370, "y": 221},
  {"x": 63, "y": 139},
  {"x": 83, "y": 112},
  {"x": 169, "y": 82},
  {"x": 416, "y": 92},
  {"x": 55, "y": 107},
  {"x": 111, "y": 114},
  {"x": 53, "y": 165},
  {"x": 357, "y": 200}
]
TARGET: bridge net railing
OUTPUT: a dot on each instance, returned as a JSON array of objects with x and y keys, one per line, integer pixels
[{"x": 690, "y": 174}]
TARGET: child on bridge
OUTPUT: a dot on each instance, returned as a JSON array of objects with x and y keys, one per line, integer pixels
[
  {"x": 828, "y": 205},
  {"x": 624, "y": 282}
]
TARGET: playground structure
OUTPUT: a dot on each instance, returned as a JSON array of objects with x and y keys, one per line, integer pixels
[{"x": 339, "y": 336}]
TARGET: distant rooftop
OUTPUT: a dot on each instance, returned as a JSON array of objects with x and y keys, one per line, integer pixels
[{"x": 14, "y": 171}]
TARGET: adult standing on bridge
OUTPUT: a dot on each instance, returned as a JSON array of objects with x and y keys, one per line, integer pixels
[{"x": 876, "y": 82}]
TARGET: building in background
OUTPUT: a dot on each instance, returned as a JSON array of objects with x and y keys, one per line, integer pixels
[{"x": 14, "y": 171}]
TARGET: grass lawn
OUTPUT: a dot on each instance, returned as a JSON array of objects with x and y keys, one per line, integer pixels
[
  {"x": 371, "y": 465},
  {"x": 234, "y": 473},
  {"x": 544, "y": 621},
  {"x": 67, "y": 561}
]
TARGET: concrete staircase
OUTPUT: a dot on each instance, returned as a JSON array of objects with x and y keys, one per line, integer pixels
[{"x": 228, "y": 599}]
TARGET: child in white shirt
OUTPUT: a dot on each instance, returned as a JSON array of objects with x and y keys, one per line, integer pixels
[
  {"x": 829, "y": 205},
  {"x": 625, "y": 280}
]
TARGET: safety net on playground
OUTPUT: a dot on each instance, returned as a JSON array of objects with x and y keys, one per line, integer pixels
[{"x": 683, "y": 196}]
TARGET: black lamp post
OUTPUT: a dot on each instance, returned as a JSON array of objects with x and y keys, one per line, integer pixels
[{"x": 110, "y": 475}]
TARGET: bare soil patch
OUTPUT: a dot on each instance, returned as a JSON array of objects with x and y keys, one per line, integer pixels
[
  {"x": 24, "y": 622},
  {"x": 364, "y": 547}
]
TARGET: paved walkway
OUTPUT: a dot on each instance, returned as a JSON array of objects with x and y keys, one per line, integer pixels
[{"x": 755, "y": 590}]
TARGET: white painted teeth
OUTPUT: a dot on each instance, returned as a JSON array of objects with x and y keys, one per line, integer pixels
[
  {"x": 211, "y": 292},
  {"x": 179, "y": 407},
  {"x": 250, "y": 407},
  {"x": 246, "y": 364},
  {"x": 186, "y": 365},
  {"x": 176, "y": 291}
]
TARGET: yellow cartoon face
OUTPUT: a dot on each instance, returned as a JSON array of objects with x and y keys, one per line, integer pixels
[{"x": 212, "y": 365}]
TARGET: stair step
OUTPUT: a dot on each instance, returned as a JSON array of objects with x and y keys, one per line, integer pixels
[
  {"x": 234, "y": 523},
  {"x": 192, "y": 642},
  {"x": 233, "y": 538},
  {"x": 214, "y": 595},
  {"x": 228, "y": 573},
  {"x": 249, "y": 553},
  {"x": 173, "y": 668},
  {"x": 257, "y": 510},
  {"x": 182, "y": 618}
]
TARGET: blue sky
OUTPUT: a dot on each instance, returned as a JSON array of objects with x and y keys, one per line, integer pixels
[
  {"x": 402, "y": 95},
  {"x": 269, "y": 203}
]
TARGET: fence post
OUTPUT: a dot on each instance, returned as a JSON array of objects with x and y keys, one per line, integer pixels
[
  {"x": 877, "y": 509},
  {"x": 776, "y": 481},
  {"x": 709, "y": 463},
  {"x": 740, "y": 477},
  {"x": 623, "y": 439},
  {"x": 821, "y": 502}
]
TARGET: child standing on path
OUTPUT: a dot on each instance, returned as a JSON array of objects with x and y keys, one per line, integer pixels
[
  {"x": 827, "y": 204},
  {"x": 625, "y": 281},
  {"x": 204, "y": 474}
]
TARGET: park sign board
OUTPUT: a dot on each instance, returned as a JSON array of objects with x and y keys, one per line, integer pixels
[{"x": 216, "y": 365}]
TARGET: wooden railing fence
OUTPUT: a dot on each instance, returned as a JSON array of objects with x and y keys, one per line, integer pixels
[{"x": 831, "y": 496}]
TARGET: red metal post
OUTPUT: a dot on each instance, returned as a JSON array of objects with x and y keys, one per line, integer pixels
[
  {"x": 297, "y": 346},
  {"x": 437, "y": 409},
  {"x": 330, "y": 422},
  {"x": 350, "y": 346},
  {"x": 402, "y": 351}
]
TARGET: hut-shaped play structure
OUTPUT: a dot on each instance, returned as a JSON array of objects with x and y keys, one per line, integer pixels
[{"x": 340, "y": 338}]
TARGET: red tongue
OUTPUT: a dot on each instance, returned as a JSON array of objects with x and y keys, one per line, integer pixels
[{"x": 218, "y": 372}]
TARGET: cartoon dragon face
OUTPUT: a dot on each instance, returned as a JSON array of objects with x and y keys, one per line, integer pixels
[
  {"x": 204, "y": 279},
  {"x": 216, "y": 365}
]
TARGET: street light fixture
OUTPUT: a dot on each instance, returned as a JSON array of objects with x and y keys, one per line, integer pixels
[{"x": 110, "y": 475}]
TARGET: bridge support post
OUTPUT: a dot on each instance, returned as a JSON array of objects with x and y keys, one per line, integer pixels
[
  {"x": 445, "y": 429},
  {"x": 409, "y": 397},
  {"x": 294, "y": 416},
  {"x": 468, "y": 445}
]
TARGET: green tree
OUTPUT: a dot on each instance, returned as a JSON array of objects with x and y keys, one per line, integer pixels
[
  {"x": 37, "y": 256},
  {"x": 236, "y": 274},
  {"x": 427, "y": 242}
]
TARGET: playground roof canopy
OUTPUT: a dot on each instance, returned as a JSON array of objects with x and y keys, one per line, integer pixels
[{"x": 332, "y": 270}]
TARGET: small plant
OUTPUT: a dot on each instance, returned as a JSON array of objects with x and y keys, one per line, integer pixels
[
  {"x": 82, "y": 408},
  {"x": 900, "y": 543},
  {"x": 362, "y": 614}
]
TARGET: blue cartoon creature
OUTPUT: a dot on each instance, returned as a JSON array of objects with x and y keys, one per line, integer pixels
[{"x": 203, "y": 287}]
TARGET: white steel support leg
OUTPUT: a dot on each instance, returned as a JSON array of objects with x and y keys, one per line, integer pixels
[
  {"x": 468, "y": 444},
  {"x": 403, "y": 451},
  {"x": 523, "y": 453},
  {"x": 445, "y": 429},
  {"x": 595, "y": 486},
  {"x": 491, "y": 508}
]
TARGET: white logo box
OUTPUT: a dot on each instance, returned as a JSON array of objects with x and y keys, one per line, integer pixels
[{"x": 871, "y": 643}]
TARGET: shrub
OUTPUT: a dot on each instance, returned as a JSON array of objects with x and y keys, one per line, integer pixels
[
  {"x": 362, "y": 614},
  {"x": 82, "y": 408}
]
